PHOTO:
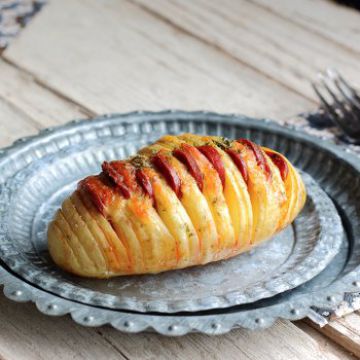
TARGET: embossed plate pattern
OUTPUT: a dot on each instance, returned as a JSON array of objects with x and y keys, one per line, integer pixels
[
  {"x": 333, "y": 169},
  {"x": 33, "y": 195}
]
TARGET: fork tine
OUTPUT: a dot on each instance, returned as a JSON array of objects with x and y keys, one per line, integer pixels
[
  {"x": 344, "y": 84},
  {"x": 327, "y": 85},
  {"x": 340, "y": 102},
  {"x": 334, "y": 116},
  {"x": 346, "y": 90},
  {"x": 350, "y": 105},
  {"x": 326, "y": 105},
  {"x": 340, "y": 113}
]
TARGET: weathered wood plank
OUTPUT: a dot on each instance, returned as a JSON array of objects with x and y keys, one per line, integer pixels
[
  {"x": 336, "y": 22},
  {"x": 14, "y": 124},
  {"x": 344, "y": 331},
  {"x": 282, "y": 341},
  {"x": 27, "y": 334},
  {"x": 42, "y": 106},
  {"x": 277, "y": 47},
  {"x": 145, "y": 64}
]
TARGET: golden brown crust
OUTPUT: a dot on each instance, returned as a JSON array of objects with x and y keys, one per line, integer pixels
[{"x": 182, "y": 201}]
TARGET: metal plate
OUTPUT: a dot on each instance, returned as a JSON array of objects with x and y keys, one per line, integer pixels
[
  {"x": 32, "y": 196},
  {"x": 335, "y": 170}
]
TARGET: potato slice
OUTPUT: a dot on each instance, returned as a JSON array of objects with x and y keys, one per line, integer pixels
[
  {"x": 60, "y": 250},
  {"x": 158, "y": 245},
  {"x": 214, "y": 194},
  {"x": 87, "y": 266},
  {"x": 195, "y": 205},
  {"x": 239, "y": 203},
  {"x": 80, "y": 228},
  {"x": 174, "y": 217},
  {"x": 121, "y": 259}
]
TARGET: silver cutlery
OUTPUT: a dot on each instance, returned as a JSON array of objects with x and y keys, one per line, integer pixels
[{"x": 340, "y": 102}]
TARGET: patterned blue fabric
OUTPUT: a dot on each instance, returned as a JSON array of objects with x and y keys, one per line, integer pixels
[{"x": 14, "y": 15}]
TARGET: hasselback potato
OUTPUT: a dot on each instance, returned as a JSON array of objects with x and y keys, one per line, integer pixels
[{"x": 184, "y": 200}]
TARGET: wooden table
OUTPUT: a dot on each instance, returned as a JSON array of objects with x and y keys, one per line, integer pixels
[{"x": 82, "y": 58}]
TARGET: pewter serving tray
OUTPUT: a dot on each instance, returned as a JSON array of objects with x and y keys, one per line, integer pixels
[
  {"x": 333, "y": 169},
  {"x": 33, "y": 195},
  {"x": 292, "y": 257}
]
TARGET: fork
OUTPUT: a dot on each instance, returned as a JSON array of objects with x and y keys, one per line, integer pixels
[{"x": 340, "y": 101}]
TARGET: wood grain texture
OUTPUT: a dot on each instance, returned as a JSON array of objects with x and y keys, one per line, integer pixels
[
  {"x": 27, "y": 334},
  {"x": 329, "y": 19},
  {"x": 145, "y": 63},
  {"x": 282, "y": 341},
  {"x": 276, "y": 46},
  {"x": 322, "y": 339},
  {"x": 344, "y": 331},
  {"x": 42, "y": 106},
  {"x": 14, "y": 124}
]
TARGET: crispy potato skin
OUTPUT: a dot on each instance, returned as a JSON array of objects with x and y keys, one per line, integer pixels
[{"x": 175, "y": 204}]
